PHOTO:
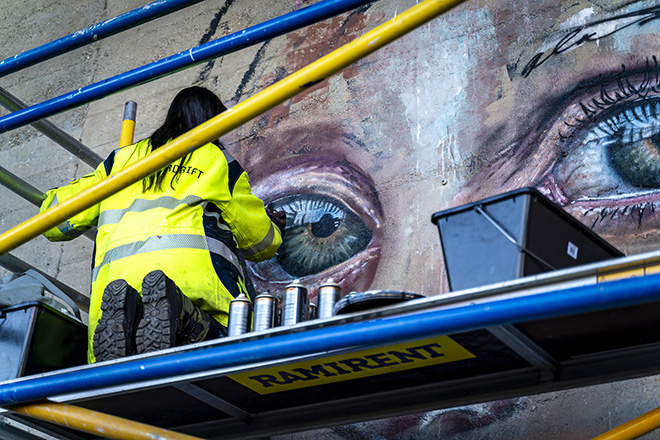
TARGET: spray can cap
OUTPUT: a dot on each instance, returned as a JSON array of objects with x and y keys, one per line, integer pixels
[
  {"x": 265, "y": 294},
  {"x": 241, "y": 298},
  {"x": 329, "y": 283},
  {"x": 295, "y": 283}
]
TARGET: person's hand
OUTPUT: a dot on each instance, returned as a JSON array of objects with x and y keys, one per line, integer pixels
[{"x": 278, "y": 217}]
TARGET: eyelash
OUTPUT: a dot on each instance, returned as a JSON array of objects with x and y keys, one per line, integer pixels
[
  {"x": 638, "y": 210},
  {"x": 625, "y": 89},
  {"x": 618, "y": 107}
]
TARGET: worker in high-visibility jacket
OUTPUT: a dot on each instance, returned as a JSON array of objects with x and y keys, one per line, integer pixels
[{"x": 167, "y": 257}]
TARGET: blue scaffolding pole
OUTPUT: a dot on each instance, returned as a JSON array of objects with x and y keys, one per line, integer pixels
[
  {"x": 174, "y": 63},
  {"x": 373, "y": 333},
  {"x": 91, "y": 34}
]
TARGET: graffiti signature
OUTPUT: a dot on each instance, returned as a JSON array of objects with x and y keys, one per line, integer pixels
[{"x": 589, "y": 33}]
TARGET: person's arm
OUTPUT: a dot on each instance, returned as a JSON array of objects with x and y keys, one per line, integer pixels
[
  {"x": 79, "y": 223},
  {"x": 257, "y": 235}
]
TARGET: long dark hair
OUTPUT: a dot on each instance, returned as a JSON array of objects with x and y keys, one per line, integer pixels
[{"x": 190, "y": 108}]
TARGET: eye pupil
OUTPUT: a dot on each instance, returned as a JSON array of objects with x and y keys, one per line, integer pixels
[{"x": 326, "y": 226}]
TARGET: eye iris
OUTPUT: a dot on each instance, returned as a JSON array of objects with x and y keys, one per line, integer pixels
[
  {"x": 638, "y": 162},
  {"x": 321, "y": 233}
]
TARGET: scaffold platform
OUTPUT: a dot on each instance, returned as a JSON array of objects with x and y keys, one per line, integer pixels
[{"x": 564, "y": 329}]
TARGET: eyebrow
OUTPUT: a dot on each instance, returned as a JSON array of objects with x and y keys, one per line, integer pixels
[{"x": 574, "y": 36}]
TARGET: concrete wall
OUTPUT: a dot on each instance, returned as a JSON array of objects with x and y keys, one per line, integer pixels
[{"x": 495, "y": 95}]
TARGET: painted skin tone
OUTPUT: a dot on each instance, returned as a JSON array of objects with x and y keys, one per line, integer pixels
[
  {"x": 309, "y": 168},
  {"x": 593, "y": 146},
  {"x": 451, "y": 132},
  {"x": 319, "y": 143},
  {"x": 561, "y": 96}
]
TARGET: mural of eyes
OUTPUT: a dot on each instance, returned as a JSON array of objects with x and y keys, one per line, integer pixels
[
  {"x": 333, "y": 225},
  {"x": 608, "y": 143}
]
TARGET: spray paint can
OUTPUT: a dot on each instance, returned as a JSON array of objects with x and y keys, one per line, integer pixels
[
  {"x": 313, "y": 311},
  {"x": 265, "y": 312},
  {"x": 329, "y": 294},
  {"x": 240, "y": 315},
  {"x": 294, "y": 308}
]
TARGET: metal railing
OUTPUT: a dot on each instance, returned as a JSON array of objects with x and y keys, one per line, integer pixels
[
  {"x": 71, "y": 144},
  {"x": 370, "y": 333},
  {"x": 182, "y": 60}
]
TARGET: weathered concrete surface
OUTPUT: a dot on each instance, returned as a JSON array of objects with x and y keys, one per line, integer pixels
[{"x": 442, "y": 117}]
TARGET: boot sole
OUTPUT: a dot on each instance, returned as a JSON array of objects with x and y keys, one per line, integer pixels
[
  {"x": 112, "y": 333},
  {"x": 154, "y": 331}
]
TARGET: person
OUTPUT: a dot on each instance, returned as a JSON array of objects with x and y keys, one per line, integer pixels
[{"x": 167, "y": 260}]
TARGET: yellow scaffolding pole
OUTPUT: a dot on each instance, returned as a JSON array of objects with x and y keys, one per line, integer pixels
[
  {"x": 128, "y": 124},
  {"x": 97, "y": 423},
  {"x": 635, "y": 428},
  {"x": 229, "y": 120}
]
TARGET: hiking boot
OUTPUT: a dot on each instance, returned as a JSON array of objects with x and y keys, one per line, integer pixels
[
  {"x": 114, "y": 336},
  {"x": 170, "y": 318}
]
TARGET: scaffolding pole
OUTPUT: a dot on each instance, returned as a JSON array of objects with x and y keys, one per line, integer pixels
[
  {"x": 68, "y": 142},
  {"x": 97, "y": 423},
  {"x": 183, "y": 60},
  {"x": 15, "y": 264},
  {"x": 21, "y": 187},
  {"x": 635, "y": 428},
  {"x": 91, "y": 34},
  {"x": 128, "y": 124}
]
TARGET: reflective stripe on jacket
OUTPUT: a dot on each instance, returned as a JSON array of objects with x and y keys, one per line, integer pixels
[{"x": 191, "y": 231}]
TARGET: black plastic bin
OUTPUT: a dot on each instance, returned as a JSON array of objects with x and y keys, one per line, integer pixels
[
  {"x": 35, "y": 338},
  {"x": 513, "y": 235}
]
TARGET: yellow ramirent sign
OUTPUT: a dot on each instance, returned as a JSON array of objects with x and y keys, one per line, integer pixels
[{"x": 374, "y": 362}]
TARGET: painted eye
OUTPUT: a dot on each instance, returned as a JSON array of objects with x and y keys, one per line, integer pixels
[
  {"x": 616, "y": 154},
  {"x": 321, "y": 232},
  {"x": 600, "y": 159},
  {"x": 632, "y": 136},
  {"x": 333, "y": 222}
]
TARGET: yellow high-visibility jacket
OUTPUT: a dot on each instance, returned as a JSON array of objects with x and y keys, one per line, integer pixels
[{"x": 191, "y": 232}]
